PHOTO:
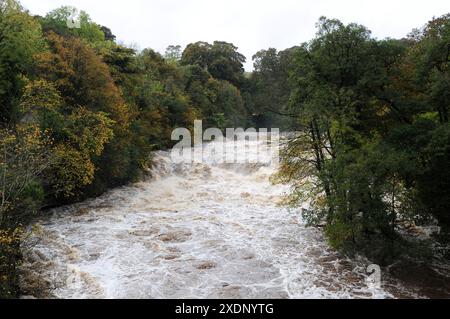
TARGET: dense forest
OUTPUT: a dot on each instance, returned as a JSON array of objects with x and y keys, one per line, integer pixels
[{"x": 81, "y": 114}]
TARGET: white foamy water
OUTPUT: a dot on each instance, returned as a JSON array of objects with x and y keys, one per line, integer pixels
[{"x": 192, "y": 231}]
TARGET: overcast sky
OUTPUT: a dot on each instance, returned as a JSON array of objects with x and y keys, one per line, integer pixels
[{"x": 250, "y": 25}]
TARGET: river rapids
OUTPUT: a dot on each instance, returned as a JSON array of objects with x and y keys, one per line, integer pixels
[{"x": 191, "y": 231}]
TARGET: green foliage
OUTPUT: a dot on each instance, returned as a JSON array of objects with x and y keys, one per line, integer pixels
[
  {"x": 373, "y": 130},
  {"x": 20, "y": 39},
  {"x": 229, "y": 101},
  {"x": 339, "y": 233},
  {"x": 24, "y": 157},
  {"x": 173, "y": 54},
  {"x": 220, "y": 59},
  {"x": 89, "y": 131},
  {"x": 71, "y": 170},
  {"x": 270, "y": 88},
  {"x": 9, "y": 257},
  {"x": 81, "y": 113},
  {"x": 64, "y": 21},
  {"x": 434, "y": 182}
]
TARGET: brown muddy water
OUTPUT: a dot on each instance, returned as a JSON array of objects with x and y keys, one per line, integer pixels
[{"x": 193, "y": 231}]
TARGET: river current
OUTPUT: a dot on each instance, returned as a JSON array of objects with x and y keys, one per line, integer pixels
[{"x": 192, "y": 231}]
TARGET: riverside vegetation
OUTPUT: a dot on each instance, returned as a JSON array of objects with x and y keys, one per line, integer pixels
[{"x": 81, "y": 113}]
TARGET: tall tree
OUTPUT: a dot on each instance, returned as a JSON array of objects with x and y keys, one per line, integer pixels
[
  {"x": 68, "y": 20},
  {"x": 221, "y": 60},
  {"x": 20, "y": 39}
]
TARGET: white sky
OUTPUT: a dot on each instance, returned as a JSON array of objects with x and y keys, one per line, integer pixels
[{"x": 250, "y": 25}]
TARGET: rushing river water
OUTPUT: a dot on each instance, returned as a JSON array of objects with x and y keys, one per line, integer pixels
[{"x": 192, "y": 231}]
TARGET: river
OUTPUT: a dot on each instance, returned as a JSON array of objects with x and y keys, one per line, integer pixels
[{"x": 192, "y": 231}]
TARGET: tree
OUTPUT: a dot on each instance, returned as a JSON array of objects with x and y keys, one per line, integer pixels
[
  {"x": 25, "y": 155},
  {"x": 221, "y": 60},
  {"x": 78, "y": 136},
  {"x": 429, "y": 57},
  {"x": 85, "y": 84},
  {"x": 173, "y": 53},
  {"x": 103, "y": 106},
  {"x": 433, "y": 59},
  {"x": 226, "y": 63},
  {"x": 109, "y": 36},
  {"x": 41, "y": 104},
  {"x": 81, "y": 76},
  {"x": 68, "y": 20},
  {"x": 230, "y": 105},
  {"x": 20, "y": 39},
  {"x": 271, "y": 88},
  {"x": 341, "y": 121}
]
